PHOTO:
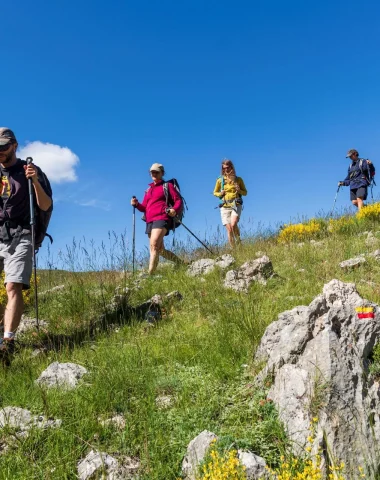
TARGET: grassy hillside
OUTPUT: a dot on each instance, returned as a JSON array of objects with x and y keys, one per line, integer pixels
[{"x": 200, "y": 356}]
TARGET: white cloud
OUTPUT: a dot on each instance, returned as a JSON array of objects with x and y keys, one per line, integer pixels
[
  {"x": 95, "y": 204},
  {"x": 57, "y": 162}
]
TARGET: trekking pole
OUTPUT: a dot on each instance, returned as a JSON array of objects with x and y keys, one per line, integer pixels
[
  {"x": 336, "y": 196},
  {"x": 200, "y": 241},
  {"x": 133, "y": 237},
  {"x": 29, "y": 160}
]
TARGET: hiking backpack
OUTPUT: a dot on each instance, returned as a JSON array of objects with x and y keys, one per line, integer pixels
[
  {"x": 221, "y": 200},
  {"x": 170, "y": 202},
  {"x": 370, "y": 171}
]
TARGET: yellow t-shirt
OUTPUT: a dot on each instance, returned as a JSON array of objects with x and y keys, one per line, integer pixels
[{"x": 231, "y": 192}]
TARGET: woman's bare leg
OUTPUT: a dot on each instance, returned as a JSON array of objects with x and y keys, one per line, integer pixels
[{"x": 156, "y": 244}]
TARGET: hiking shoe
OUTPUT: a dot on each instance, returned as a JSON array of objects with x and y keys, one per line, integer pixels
[{"x": 7, "y": 350}]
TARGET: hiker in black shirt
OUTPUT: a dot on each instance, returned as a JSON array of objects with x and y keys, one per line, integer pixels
[{"x": 16, "y": 255}]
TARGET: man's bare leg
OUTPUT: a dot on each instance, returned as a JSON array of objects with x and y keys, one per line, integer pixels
[
  {"x": 360, "y": 203},
  {"x": 13, "y": 310}
]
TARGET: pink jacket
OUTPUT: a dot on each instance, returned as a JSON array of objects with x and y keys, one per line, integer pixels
[{"x": 154, "y": 203}]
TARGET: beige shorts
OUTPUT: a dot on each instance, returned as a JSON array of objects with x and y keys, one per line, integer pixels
[
  {"x": 18, "y": 266},
  {"x": 226, "y": 213}
]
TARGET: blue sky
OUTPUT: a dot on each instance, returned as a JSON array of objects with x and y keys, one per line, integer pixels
[{"x": 284, "y": 89}]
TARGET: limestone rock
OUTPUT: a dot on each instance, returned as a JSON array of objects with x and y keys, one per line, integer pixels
[
  {"x": 258, "y": 270},
  {"x": 164, "y": 401},
  {"x": 117, "y": 421},
  {"x": 207, "y": 265},
  {"x": 21, "y": 420},
  {"x": 225, "y": 261},
  {"x": 319, "y": 358},
  {"x": 66, "y": 375},
  {"x": 28, "y": 324},
  {"x": 156, "y": 299},
  {"x": 352, "y": 262},
  {"x": 196, "y": 452},
  {"x": 96, "y": 463},
  {"x": 254, "y": 465},
  {"x": 201, "y": 267},
  {"x": 175, "y": 295}
]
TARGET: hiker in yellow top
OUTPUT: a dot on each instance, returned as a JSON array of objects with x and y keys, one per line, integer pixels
[{"x": 230, "y": 188}]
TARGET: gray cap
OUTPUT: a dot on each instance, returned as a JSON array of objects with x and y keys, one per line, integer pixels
[
  {"x": 6, "y": 136},
  {"x": 351, "y": 152}
]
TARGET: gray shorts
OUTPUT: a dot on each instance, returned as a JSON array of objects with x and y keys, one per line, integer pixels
[{"x": 18, "y": 266}]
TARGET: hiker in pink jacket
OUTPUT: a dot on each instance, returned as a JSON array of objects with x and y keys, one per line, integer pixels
[{"x": 158, "y": 216}]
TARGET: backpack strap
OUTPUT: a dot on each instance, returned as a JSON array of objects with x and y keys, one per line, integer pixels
[
  {"x": 221, "y": 201},
  {"x": 167, "y": 194}
]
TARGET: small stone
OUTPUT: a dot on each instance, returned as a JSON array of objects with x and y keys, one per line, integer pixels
[
  {"x": 117, "y": 421},
  {"x": 156, "y": 300},
  {"x": 255, "y": 466},
  {"x": 164, "y": 401},
  {"x": 201, "y": 267},
  {"x": 352, "y": 263},
  {"x": 225, "y": 261},
  {"x": 95, "y": 463},
  {"x": 28, "y": 324},
  {"x": 66, "y": 375},
  {"x": 258, "y": 270},
  {"x": 22, "y": 420},
  {"x": 196, "y": 452},
  {"x": 175, "y": 295}
]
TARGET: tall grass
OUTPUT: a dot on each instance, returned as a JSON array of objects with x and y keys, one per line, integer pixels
[{"x": 200, "y": 354}]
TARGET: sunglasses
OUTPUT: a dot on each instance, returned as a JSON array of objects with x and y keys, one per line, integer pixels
[
  {"x": 155, "y": 172},
  {"x": 4, "y": 148},
  {"x": 227, "y": 168}
]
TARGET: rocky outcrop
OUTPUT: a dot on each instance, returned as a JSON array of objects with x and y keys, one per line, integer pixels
[
  {"x": 259, "y": 270},
  {"x": 318, "y": 356},
  {"x": 207, "y": 265}
]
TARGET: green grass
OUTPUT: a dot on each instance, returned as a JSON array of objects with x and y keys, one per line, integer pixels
[{"x": 201, "y": 355}]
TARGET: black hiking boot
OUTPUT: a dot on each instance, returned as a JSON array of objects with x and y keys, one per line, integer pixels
[{"x": 7, "y": 350}]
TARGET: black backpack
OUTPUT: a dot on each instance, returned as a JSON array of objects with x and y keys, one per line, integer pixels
[
  {"x": 42, "y": 218},
  {"x": 370, "y": 171},
  {"x": 170, "y": 202}
]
